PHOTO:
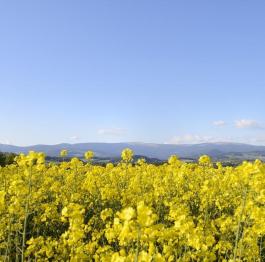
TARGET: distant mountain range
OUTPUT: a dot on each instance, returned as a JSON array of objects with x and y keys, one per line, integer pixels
[{"x": 158, "y": 151}]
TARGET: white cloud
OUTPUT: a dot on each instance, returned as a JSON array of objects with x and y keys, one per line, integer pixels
[
  {"x": 258, "y": 140},
  {"x": 192, "y": 139},
  {"x": 74, "y": 138},
  {"x": 5, "y": 141},
  {"x": 112, "y": 131},
  {"x": 219, "y": 123},
  {"x": 198, "y": 139},
  {"x": 247, "y": 123}
]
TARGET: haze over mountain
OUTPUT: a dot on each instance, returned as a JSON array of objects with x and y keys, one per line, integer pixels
[{"x": 159, "y": 151}]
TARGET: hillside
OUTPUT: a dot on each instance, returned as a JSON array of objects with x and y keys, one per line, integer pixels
[{"x": 158, "y": 151}]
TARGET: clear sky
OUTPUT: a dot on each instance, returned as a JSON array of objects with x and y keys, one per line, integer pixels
[{"x": 143, "y": 70}]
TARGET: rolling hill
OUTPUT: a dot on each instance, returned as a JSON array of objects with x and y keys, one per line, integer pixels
[{"x": 158, "y": 151}]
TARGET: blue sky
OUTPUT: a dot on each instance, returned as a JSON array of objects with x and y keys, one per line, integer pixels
[{"x": 146, "y": 71}]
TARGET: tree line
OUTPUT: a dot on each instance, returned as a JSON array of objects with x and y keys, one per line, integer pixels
[{"x": 6, "y": 158}]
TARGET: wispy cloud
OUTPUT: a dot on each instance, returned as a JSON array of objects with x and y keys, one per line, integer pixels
[
  {"x": 219, "y": 123},
  {"x": 5, "y": 141},
  {"x": 74, "y": 138},
  {"x": 247, "y": 123},
  {"x": 112, "y": 131},
  {"x": 198, "y": 139},
  {"x": 191, "y": 139}
]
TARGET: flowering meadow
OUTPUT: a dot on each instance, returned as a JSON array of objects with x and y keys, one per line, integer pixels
[{"x": 177, "y": 211}]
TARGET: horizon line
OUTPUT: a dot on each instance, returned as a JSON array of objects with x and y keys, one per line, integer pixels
[{"x": 133, "y": 142}]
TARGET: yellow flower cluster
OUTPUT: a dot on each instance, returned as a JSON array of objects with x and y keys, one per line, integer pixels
[{"x": 177, "y": 211}]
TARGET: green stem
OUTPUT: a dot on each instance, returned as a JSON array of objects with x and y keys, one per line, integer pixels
[
  {"x": 24, "y": 235},
  {"x": 17, "y": 248},
  {"x": 7, "y": 257},
  {"x": 138, "y": 244},
  {"x": 239, "y": 224}
]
